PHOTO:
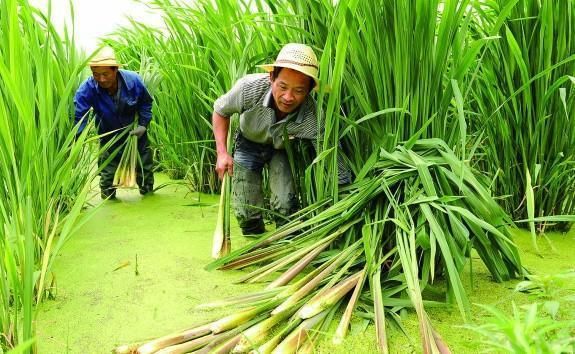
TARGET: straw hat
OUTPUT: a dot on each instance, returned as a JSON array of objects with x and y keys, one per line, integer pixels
[
  {"x": 105, "y": 57},
  {"x": 299, "y": 57}
]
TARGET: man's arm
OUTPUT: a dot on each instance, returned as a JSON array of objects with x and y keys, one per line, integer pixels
[
  {"x": 224, "y": 162},
  {"x": 144, "y": 105},
  {"x": 144, "y": 108},
  {"x": 224, "y": 107}
]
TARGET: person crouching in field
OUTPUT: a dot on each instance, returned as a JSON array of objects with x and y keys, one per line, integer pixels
[
  {"x": 268, "y": 104},
  {"x": 116, "y": 96}
]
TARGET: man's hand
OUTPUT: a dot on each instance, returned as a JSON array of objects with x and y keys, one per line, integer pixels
[
  {"x": 224, "y": 163},
  {"x": 138, "y": 131}
]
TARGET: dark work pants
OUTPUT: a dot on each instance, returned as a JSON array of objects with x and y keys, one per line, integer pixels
[
  {"x": 247, "y": 194},
  {"x": 144, "y": 172}
]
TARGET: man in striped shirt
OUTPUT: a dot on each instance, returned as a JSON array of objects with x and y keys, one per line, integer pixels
[{"x": 270, "y": 105}]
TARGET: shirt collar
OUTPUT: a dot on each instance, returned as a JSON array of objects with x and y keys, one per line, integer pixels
[
  {"x": 300, "y": 112},
  {"x": 269, "y": 99}
]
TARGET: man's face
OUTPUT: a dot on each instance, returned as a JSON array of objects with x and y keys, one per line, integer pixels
[
  {"x": 105, "y": 76},
  {"x": 289, "y": 89}
]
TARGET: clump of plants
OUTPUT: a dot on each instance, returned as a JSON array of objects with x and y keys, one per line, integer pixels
[
  {"x": 526, "y": 330},
  {"x": 413, "y": 215},
  {"x": 551, "y": 289},
  {"x": 46, "y": 170},
  {"x": 125, "y": 176},
  {"x": 533, "y": 328}
]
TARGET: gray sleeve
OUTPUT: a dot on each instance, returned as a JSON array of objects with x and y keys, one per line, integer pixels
[{"x": 232, "y": 101}]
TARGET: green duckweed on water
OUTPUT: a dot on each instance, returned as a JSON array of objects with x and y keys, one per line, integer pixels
[{"x": 135, "y": 271}]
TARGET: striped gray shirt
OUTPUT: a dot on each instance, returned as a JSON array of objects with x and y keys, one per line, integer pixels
[{"x": 251, "y": 97}]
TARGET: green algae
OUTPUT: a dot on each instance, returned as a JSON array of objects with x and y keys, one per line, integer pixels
[
  {"x": 101, "y": 302},
  {"x": 134, "y": 272}
]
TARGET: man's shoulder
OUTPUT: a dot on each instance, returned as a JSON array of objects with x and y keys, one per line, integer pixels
[
  {"x": 131, "y": 78},
  {"x": 256, "y": 77},
  {"x": 253, "y": 88},
  {"x": 87, "y": 86},
  {"x": 258, "y": 81},
  {"x": 128, "y": 73}
]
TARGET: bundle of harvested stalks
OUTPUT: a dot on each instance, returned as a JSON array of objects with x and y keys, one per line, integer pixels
[
  {"x": 414, "y": 217},
  {"x": 222, "y": 243},
  {"x": 125, "y": 176}
]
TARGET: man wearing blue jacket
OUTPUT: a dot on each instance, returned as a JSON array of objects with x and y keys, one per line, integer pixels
[{"x": 116, "y": 96}]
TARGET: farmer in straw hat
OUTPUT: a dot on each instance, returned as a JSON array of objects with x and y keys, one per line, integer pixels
[
  {"x": 116, "y": 97},
  {"x": 268, "y": 104}
]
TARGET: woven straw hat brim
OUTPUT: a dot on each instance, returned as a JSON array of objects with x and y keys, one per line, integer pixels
[
  {"x": 105, "y": 57},
  {"x": 104, "y": 62}
]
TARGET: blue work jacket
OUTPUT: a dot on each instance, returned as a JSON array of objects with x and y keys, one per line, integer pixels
[{"x": 134, "y": 98}]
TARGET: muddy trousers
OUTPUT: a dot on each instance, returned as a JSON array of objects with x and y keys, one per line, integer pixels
[
  {"x": 247, "y": 193},
  {"x": 144, "y": 172}
]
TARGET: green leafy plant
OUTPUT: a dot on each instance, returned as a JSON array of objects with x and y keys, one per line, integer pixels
[
  {"x": 45, "y": 167},
  {"x": 523, "y": 93},
  {"x": 525, "y": 331},
  {"x": 548, "y": 286},
  {"x": 552, "y": 289}
]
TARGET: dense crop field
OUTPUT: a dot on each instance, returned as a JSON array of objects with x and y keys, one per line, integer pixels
[{"x": 455, "y": 117}]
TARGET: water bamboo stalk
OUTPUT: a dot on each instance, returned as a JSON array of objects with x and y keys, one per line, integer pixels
[
  {"x": 300, "y": 265},
  {"x": 299, "y": 336},
  {"x": 236, "y": 319},
  {"x": 379, "y": 312},
  {"x": 272, "y": 343},
  {"x": 309, "y": 286},
  {"x": 330, "y": 297},
  {"x": 188, "y": 346},
  {"x": 343, "y": 326},
  {"x": 172, "y": 339},
  {"x": 221, "y": 244},
  {"x": 256, "y": 334},
  {"x": 243, "y": 299}
]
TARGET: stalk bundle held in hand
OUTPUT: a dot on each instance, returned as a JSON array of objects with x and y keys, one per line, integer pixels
[
  {"x": 222, "y": 243},
  {"x": 125, "y": 176},
  {"x": 412, "y": 216}
]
